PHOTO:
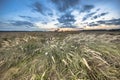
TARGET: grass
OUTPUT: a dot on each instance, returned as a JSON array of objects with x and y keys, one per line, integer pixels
[{"x": 60, "y": 56}]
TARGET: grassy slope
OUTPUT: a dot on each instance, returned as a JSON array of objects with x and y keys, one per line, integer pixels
[{"x": 60, "y": 56}]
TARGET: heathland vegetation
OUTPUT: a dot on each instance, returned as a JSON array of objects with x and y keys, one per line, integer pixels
[{"x": 91, "y": 55}]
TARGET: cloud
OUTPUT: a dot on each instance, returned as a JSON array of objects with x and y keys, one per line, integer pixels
[
  {"x": 50, "y": 14},
  {"x": 31, "y": 19},
  {"x": 42, "y": 8},
  {"x": 66, "y": 20},
  {"x": 26, "y": 17},
  {"x": 93, "y": 24},
  {"x": 110, "y": 22},
  {"x": 46, "y": 25},
  {"x": 22, "y": 23},
  {"x": 100, "y": 15},
  {"x": 12, "y": 25},
  {"x": 63, "y": 5},
  {"x": 87, "y": 8},
  {"x": 37, "y": 6},
  {"x": 4, "y": 24},
  {"x": 105, "y": 22},
  {"x": 1, "y": 22},
  {"x": 88, "y": 16}
]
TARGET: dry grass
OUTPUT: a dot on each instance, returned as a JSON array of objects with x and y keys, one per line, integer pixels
[{"x": 60, "y": 56}]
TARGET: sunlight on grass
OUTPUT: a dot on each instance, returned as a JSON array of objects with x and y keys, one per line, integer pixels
[{"x": 60, "y": 56}]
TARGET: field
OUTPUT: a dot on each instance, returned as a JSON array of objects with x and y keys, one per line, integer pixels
[{"x": 85, "y": 55}]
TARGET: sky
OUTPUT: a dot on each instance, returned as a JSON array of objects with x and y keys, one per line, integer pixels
[{"x": 32, "y": 15}]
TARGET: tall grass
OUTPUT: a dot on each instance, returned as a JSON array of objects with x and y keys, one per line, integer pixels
[{"x": 62, "y": 56}]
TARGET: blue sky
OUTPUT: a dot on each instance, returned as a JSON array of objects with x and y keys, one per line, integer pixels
[{"x": 46, "y": 14}]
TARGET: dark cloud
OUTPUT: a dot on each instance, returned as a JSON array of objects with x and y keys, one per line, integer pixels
[
  {"x": 37, "y": 6},
  {"x": 4, "y": 23},
  {"x": 31, "y": 19},
  {"x": 63, "y": 5},
  {"x": 110, "y": 22},
  {"x": 87, "y": 8},
  {"x": 99, "y": 15},
  {"x": 1, "y": 22},
  {"x": 105, "y": 22},
  {"x": 101, "y": 22},
  {"x": 88, "y": 16},
  {"x": 26, "y": 17},
  {"x": 41, "y": 8},
  {"x": 93, "y": 24},
  {"x": 50, "y": 14},
  {"x": 22, "y": 23},
  {"x": 98, "y": 9},
  {"x": 66, "y": 20},
  {"x": 103, "y": 14}
]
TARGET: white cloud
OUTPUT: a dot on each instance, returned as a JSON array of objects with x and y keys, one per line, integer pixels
[{"x": 47, "y": 25}]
